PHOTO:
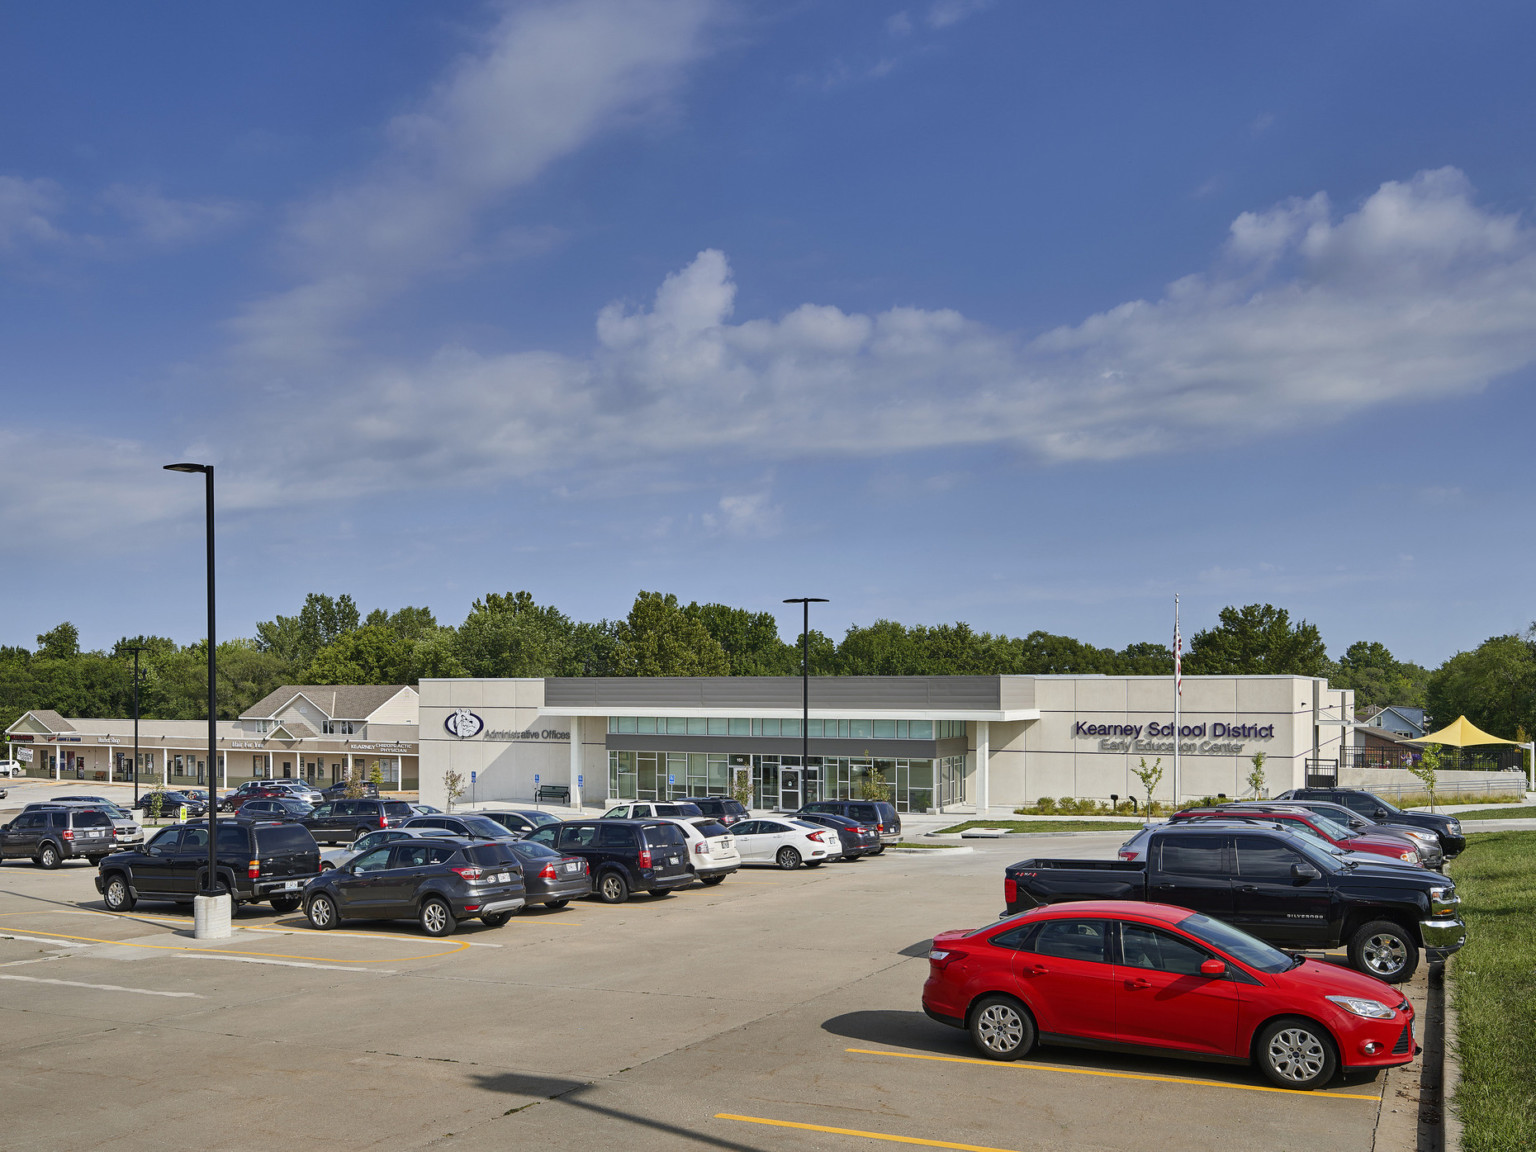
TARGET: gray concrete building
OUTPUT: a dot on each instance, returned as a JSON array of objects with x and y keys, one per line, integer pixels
[{"x": 950, "y": 743}]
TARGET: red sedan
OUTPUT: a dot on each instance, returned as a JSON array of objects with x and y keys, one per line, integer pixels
[
  {"x": 1152, "y": 978},
  {"x": 1398, "y": 849}
]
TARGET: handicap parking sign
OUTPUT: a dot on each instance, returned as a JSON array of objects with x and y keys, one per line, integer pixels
[
  {"x": 671, "y": 779},
  {"x": 472, "y": 776},
  {"x": 578, "y": 781}
]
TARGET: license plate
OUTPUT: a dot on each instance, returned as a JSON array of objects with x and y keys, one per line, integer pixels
[
  {"x": 291, "y": 884},
  {"x": 503, "y": 878},
  {"x": 573, "y": 867},
  {"x": 672, "y": 859}
]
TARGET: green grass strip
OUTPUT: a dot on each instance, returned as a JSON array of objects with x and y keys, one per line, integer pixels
[
  {"x": 1525, "y": 812},
  {"x": 1126, "y": 826},
  {"x": 1494, "y": 988}
]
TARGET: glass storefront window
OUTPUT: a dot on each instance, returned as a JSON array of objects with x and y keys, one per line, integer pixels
[
  {"x": 860, "y": 729},
  {"x": 717, "y": 725},
  {"x": 676, "y": 726},
  {"x": 740, "y": 727},
  {"x": 920, "y": 729},
  {"x": 645, "y": 725},
  {"x": 885, "y": 729},
  {"x": 695, "y": 726}
]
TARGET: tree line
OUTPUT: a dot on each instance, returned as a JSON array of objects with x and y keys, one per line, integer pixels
[{"x": 330, "y": 641}]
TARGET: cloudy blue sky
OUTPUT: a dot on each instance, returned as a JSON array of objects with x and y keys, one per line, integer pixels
[{"x": 1017, "y": 313}]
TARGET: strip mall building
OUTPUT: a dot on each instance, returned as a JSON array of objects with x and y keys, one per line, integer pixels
[{"x": 942, "y": 742}]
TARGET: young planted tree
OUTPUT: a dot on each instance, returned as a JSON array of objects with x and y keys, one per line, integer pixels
[
  {"x": 741, "y": 785},
  {"x": 874, "y": 786},
  {"x": 355, "y": 781},
  {"x": 454, "y": 786},
  {"x": 1256, "y": 782},
  {"x": 1427, "y": 770},
  {"x": 157, "y": 799},
  {"x": 1150, "y": 778},
  {"x": 376, "y": 775}
]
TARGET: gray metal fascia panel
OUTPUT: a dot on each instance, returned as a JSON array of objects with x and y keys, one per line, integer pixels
[
  {"x": 1016, "y": 692},
  {"x": 789, "y": 746}
]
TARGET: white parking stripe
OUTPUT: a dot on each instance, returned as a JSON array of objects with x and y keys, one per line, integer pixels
[
  {"x": 282, "y": 963},
  {"x": 361, "y": 936},
  {"x": 43, "y": 940},
  {"x": 99, "y": 987}
]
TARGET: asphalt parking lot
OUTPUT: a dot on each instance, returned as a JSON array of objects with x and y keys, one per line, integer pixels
[{"x": 779, "y": 1010}]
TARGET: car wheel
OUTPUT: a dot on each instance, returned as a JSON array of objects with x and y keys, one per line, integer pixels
[
  {"x": 324, "y": 864},
  {"x": 321, "y": 912},
  {"x": 658, "y": 893},
  {"x": 283, "y": 905},
  {"x": 436, "y": 917},
  {"x": 711, "y": 881},
  {"x": 1296, "y": 1053},
  {"x": 1001, "y": 1029},
  {"x": 612, "y": 889},
  {"x": 495, "y": 919},
  {"x": 556, "y": 903},
  {"x": 787, "y": 859},
  {"x": 118, "y": 896},
  {"x": 1384, "y": 950},
  {"x": 359, "y": 833},
  {"x": 49, "y": 857}
]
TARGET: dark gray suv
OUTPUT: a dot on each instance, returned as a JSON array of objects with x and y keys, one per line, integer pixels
[
  {"x": 50, "y": 836},
  {"x": 877, "y": 814}
]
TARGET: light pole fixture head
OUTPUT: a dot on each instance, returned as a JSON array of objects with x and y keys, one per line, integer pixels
[
  {"x": 189, "y": 467},
  {"x": 807, "y": 600}
]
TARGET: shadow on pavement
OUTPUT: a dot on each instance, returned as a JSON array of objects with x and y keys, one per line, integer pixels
[{"x": 569, "y": 1092}]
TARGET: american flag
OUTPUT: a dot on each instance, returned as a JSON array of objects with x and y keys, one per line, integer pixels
[{"x": 1178, "y": 650}]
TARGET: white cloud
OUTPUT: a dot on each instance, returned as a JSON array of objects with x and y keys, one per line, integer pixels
[
  {"x": 943, "y": 13},
  {"x": 544, "y": 81},
  {"x": 161, "y": 220},
  {"x": 749, "y": 515},
  {"x": 1306, "y": 317},
  {"x": 27, "y": 211}
]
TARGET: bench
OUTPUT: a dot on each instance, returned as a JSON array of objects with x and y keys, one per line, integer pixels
[{"x": 553, "y": 792}]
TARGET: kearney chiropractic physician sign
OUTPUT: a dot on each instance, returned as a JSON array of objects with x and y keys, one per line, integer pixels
[{"x": 1210, "y": 739}]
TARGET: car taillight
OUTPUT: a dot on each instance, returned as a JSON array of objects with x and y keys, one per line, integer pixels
[
  {"x": 253, "y": 870},
  {"x": 1127, "y": 853},
  {"x": 1010, "y": 890},
  {"x": 470, "y": 874},
  {"x": 548, "y": 873},
  {"x": 701, "y": 848},
  {"x": 645, "y": 857},
  {"x": 944, "y": 957},
  {"x": 383, "y": 821},
  {"x": 879, "y": 827},
  {"x": 68, "y": 835}
]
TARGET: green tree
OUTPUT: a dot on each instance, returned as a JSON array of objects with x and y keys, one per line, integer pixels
[
  {"x": 1258, "y": 640},
  {"x": 660, "y": 638},
  {"x": 750, "y": 640},
  {"x": 1494, "y": 686},
  {"x": 61, "y": 642},
  {"x": 1427, "y": 770},
  {"x": 512, "y": 635},
  {"x": 1256, "y": 782},
  {"x": 1378, "y": 678},
  {"x": 373, "y": 654},
  {"x": 1150, "y": 778},
  {"x": 454, "y": 786},
  {"x": 297, "y": 639}
]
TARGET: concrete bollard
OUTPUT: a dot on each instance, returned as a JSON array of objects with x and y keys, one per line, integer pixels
[{"x": 211, "y": 917}]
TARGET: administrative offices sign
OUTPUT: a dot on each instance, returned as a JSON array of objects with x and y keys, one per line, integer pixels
[{"x": 1212, "y": 738}]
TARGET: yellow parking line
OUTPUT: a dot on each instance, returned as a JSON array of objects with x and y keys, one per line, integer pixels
[
  {"x": 858, "y": 1132},
  {"x": 1115, "y": 1075}
]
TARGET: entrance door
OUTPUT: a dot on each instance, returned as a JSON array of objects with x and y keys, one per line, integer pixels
[{"x": 789, "y": 789}]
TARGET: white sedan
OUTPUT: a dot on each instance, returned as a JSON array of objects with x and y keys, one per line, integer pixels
[{"x": 786, "y": 842}]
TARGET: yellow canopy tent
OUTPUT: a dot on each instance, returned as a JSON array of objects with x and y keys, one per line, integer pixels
[{"x": 1460, "y": 733}]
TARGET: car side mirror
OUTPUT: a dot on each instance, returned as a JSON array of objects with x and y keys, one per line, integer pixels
[
  {"x": 1305, "y": 872},
  {"x": 1381, "y": 813},
  {"x": 1212, "y": 968}
]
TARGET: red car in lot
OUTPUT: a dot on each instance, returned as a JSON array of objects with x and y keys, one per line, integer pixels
[
  {"x": 1152, "y": 978},
  {"x": 1399, "y": 849}
]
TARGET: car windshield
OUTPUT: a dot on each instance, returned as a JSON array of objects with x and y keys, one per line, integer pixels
[
  {"x": 1237, "y": 944},
  {"x": 539, "y": 819},
  {"x": 483, "y": 826},
  {"x": 1331, "y": 826}
]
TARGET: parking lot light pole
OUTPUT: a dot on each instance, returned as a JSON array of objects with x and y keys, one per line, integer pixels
[
  {"x": 136, "y": 650},
  {"x": 212, "y": 907},
  {"x": 805, "y": 686}
]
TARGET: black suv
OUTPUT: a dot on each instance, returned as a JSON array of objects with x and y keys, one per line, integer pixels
[
  {"x": 342, "y": 821},
  {"x": 436, "y": 882},
  {"x": 877, "y": 814},
  {"x": 725, "y": 810},
  {"x": 172, "y": 802},
  {"x": 1374, "y": 808},
  {"x": 256, "y": 862},
  {"x": 623, "y": 856},
  {"x": 49, "y": 836}
]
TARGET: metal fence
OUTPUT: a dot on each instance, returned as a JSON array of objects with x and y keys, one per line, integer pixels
[
  {"x": 1451, "y": 759},
  {"x": 1322, "y": 773}
]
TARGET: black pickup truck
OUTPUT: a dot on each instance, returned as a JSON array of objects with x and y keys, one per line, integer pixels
[{"x": 1271, "y": 885}]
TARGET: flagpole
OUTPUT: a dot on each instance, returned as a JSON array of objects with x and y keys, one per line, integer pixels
[{"x": 1178, "y": 691}]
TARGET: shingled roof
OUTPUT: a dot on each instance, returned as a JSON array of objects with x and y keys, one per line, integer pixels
[{"x": 337, "y": 701}]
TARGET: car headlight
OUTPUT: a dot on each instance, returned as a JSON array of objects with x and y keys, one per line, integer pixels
[
  {"x": 1442, "y": 895},
  {"x": 1411, "y": 857},
  {"x": 1455, "y": 826},
  {"x": 1370, "y": 1009}
]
